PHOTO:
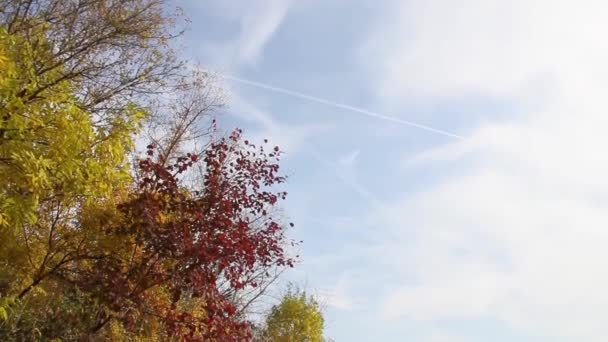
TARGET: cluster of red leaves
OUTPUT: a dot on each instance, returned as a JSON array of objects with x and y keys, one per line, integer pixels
[{"x": 187, "y": 241}]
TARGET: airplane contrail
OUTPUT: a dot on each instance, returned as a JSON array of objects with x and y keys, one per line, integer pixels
[{"x": 341, "y": 106}]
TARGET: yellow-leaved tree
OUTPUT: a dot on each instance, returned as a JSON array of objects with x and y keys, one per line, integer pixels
[
  {"x": 296, "y": 318},
  {"x": 54, "y": 161}
]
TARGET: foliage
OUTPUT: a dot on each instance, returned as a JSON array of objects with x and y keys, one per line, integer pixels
[
  {"x": 94, "y": 248},
  {"x": 49, "y": 146},
  {"x": 53, "y": 161},
  {"x": 112, "y": 51},
  {"x": 184, "y": 243},
  {"x": 296, "y": 318}
]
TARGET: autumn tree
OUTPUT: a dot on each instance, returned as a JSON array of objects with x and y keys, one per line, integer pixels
[
  {"x": 296, "y": 318},
  {"x": 53, "y": 161},
  {"x": 175, "y": 246},
  {"x": 182, "y": 242},
  {"x": 75, "y": 78},
  {"x": 113, "y": 51}
]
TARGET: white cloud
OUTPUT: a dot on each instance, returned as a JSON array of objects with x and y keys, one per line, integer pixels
[
  {"x": 257, "y": 27},
  {"x": 346, "y": 168},
  {"x": 519, "y": 233},
  {"x": 337, "y": 295},
  {"x": 443, "y": 337},
  {"x": 256, "y": 21},
  {"x": 503, "y": 243},
  {"x": 449, "y": 48},
  {"x": 349, "y": 160}
]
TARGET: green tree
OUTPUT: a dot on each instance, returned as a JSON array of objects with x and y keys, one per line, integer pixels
[{"x": 297, "y": 318}]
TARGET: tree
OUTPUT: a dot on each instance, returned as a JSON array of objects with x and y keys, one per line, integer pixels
[
  {"x": 92, "y": 246},
  {"x": 112, "y": 51},
  {"x": 296, "y": 318},
  {"x": 75, "y": 77},
  {"x": 178, "y": 244},
  {"x": 54, "y": 161}
]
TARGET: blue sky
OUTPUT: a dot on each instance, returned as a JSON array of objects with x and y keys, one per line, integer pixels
[{"x": 417, "y": 236}]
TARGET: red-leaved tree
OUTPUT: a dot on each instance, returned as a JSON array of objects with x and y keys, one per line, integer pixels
[{"x": 174, "y": 245}]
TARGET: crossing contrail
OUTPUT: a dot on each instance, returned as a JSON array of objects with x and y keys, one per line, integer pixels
[{"x": 341, "y": 106}]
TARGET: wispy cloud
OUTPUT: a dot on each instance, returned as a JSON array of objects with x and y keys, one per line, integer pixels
[
  {"x": 345, "y": 176},
  {"x": 484, "y": 47},
  {"x": 296, "y": 139},
  {"x": 518, "y": 233},
  {"x": 337, "y": 295},
  {"x": 256, "y": 23},
  {"x": 291, "y": 138}
]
